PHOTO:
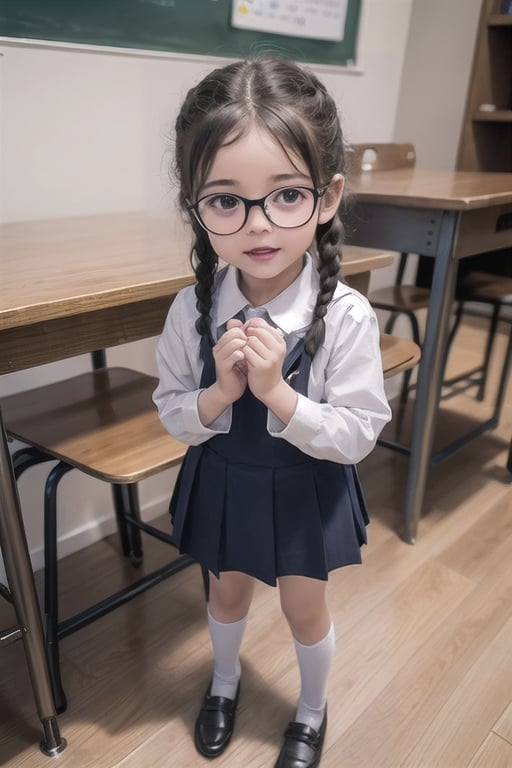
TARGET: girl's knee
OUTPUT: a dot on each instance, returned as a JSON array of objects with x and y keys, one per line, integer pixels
[
  {"x": 301, "y": 615},
  {"x": 304, "y": 607},
  {"x": 230, "y": 596}
]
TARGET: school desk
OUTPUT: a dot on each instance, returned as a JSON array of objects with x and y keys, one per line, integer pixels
[
  {"x": 68, "y": 287},
  {"x": 449, "y": 216}
]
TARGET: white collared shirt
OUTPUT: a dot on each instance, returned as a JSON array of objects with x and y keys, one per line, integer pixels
[{"x": 346, "y": 406}]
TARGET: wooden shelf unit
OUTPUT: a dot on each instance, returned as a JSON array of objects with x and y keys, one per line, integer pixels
[{"x": 486, "y": 135}]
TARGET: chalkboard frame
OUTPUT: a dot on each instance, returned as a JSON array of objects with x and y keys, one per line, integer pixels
[{"x": 200, "y": 27}]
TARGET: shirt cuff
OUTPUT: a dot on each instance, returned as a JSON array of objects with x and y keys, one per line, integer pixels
[
  {"x": 302, "y": 427},
  {"x": 194, "y": 425}
]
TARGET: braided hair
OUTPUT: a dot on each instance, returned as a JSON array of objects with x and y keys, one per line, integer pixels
[{"x": 289, "y": 102}]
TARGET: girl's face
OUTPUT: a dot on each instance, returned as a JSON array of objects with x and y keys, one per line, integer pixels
[{"x": 268, "y": 257}]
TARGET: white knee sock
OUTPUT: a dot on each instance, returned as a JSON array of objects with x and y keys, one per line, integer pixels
[
  {"x": 226, "y": 642},
  {"x": 314, "y": 664}
]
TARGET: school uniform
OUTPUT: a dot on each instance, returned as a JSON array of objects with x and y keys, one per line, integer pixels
[{"x": 255, "y": 495}]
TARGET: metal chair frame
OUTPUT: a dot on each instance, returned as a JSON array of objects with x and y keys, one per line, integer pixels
[{"x": 130, "y": 526}]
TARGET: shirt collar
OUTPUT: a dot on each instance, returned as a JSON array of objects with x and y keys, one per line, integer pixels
[{"x": 291, "y": 310}]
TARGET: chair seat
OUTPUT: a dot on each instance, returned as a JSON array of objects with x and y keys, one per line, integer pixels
[
  {"x": 397, "y": 354},
  {"x": 103, "y": 422},
  {"x": 485, "y": 286},
  {"x": 356, "y": 258},
  {"x": 401, "y": 297}
]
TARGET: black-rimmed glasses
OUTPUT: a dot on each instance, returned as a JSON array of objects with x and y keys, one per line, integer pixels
[{"x": 223, "y": 213}]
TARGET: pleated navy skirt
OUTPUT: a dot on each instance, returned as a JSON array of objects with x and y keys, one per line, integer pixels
[{"x": 246, "y": 501}]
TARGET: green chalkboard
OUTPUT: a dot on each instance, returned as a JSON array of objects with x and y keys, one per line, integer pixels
[{"x": 186, "y": 26}]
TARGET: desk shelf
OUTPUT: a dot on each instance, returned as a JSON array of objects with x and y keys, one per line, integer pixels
[
  {"x": 498, "y": 116},
  {"x": 499, "y": 20}
]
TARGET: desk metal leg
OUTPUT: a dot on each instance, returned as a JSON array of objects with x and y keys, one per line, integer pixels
[
  {"x": 18, "y": 568},
  {"x": 430, "y": 373}
]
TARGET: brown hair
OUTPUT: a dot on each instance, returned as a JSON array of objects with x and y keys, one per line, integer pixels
[{"x": 295, "y": 108}]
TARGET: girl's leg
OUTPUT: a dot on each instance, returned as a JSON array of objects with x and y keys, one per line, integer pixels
[
  {"x": 305, "y": 608},
  {"x": 303, "y": 603},
  {"x": 230, "y": 599}
]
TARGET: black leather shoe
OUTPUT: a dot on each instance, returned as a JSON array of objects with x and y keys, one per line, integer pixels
[
  {"x": 215, "y": 723},
  {"x": 302, "y": 746}
]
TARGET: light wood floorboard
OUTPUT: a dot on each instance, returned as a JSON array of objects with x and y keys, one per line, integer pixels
[{"x": 423, "y": 672}]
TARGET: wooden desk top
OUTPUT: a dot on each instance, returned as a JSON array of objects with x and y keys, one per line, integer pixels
[
  {"x": 59, "y": 267},
  {"x": 447, "y": 190},
  {"x": 62, "y": 267}
]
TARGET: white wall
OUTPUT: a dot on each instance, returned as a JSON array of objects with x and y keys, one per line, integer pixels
[
  {"x": 84, "y": 132},
  {"x": 437, "y": 68}
]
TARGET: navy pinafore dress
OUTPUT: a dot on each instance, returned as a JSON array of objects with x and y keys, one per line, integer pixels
[{"x": 247, "y": 501}]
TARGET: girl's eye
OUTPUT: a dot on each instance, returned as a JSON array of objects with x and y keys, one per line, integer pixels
[
  {"x": 288, "y": 196},
  {"x": 223, "y": 202}
]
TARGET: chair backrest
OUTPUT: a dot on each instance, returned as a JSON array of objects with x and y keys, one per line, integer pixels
[
  {"x": 380, "y": 157},
  {"x": 391, "y": 156}
]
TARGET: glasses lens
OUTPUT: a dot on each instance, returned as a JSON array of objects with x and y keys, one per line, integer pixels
[
  {"x": 290, "y": 206},
  {"x": 221, "y": 214}
]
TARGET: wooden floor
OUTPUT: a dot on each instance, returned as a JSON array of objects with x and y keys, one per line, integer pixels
[{"x": 423, "y": 673}]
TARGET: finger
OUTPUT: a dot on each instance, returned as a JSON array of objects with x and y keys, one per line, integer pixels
[
  {"x": 237, "y": 359},
  {"x": 234, "y": 363},
  {"x": 237, "y": 332},
  {"x": 270, "y": 354},
  {"x": 262, "y": 328},
  {"x": 241, "y": 366},
  {"x": 228, "y": 336},
  {"x": 233, "y": 339},
  {"x": 224, "y": 349},
  {"x": 257, "y": 321},
  {"x": 271, "y": 339},
  {"x": 234, "y": 323},
  {"x": 253, "y": 359}
]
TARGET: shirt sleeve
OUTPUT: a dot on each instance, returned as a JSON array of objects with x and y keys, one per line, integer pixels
[
  {"x": 346, "y": 407},
  {"x": 179, "y": 368}
]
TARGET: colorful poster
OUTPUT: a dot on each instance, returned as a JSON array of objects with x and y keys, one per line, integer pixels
[{"x": 319, "y": 19}]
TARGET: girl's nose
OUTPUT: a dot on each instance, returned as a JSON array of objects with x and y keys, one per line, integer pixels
[{"x": 257, "y": 221}]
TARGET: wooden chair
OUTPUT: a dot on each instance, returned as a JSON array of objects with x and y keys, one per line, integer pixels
[
  {"x": 486, "y": 288},
  {"x": 495, "y": 290},
  {"x": 103, "y": 423},
  {"x": 399, "y": 298},
  {"x": 398, "y": 354}
]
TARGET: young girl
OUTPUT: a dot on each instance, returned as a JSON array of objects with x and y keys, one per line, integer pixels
[{"x": 270, "y": 370}]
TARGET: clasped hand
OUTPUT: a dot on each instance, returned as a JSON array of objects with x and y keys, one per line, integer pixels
[{"x": 249, "y": 354}]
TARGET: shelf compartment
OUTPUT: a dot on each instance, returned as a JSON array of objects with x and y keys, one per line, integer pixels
[
  {"x": 498, "y": 116},
  {"x": 500, "y": 20}
]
